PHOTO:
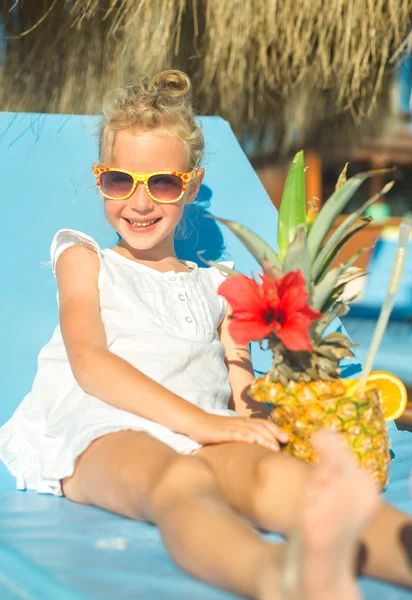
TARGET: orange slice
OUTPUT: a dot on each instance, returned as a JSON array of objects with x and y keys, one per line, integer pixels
[{"x": 393, "y": 393}]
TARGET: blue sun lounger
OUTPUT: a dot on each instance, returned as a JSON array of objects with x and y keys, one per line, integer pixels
[{"x": 50, "y": 548}]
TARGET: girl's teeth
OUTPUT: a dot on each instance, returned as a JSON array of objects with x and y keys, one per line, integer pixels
[{"x": 144, "y": 224}]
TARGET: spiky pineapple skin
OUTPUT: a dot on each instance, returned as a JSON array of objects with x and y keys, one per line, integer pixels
[{"x": 301, "y": 408}]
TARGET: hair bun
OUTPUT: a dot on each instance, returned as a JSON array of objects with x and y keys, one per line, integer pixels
[
  {"x": 165, "y": 101},
  {"x": 171, "y": 83}
]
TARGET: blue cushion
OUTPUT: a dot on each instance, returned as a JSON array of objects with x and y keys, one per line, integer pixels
[{"x": 49, "y": 547}]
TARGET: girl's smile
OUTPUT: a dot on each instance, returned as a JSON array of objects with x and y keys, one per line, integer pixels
[{"x": 142, "y": 227}]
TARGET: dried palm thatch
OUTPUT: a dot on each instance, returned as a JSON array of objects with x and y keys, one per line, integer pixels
[{"x": 282, "y": 66}]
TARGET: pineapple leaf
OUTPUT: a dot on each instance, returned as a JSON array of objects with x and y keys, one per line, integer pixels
[
  {"x": 312, "y": 212},
  {"x": 351, "y": 275},
  {"x": 292, "y": 211},
  {"x": 337, "y": 338},
  {"x": 334, "y": 242},
  {"x": 334, "y": 297},
  {"x": 342, "y": 177},
  {"x": 340, "y": 309},
  {"x": 297, "y": 256},
  {"x": 323, "y": 290},
  {"x": 333, "y": 352},
  {"x": 256, "y": 246},
  {"x": 320, "y": 326},
  {"x": 355, "y": 257},
  {"x": 328, "y": 260},
  {"x": 225, "y": 270},
  {"x": 333, "y": 208},
  {"x": 270, "y": 271}
]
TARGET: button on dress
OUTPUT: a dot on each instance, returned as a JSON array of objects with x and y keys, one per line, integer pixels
[{"x": 164, "y": 324}]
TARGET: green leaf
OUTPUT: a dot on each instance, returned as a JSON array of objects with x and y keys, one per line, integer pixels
[
  {"x": 297, "y": 256},
  {"x": 271, "y": 272},
  {"x": 323, "y": 290},
  {"x": 334, "y": 243},
  {"x": 337, "y": 338},
  {"x": 327, "y": 262},
  {"x": 292, "y": 211},
  {"x": 225, "y": 270},
  {"x": 333, "y": 208},
  {"x": 253, "y": 242},
  {"x": 342, "y": 177},
  {"x": 355, "y": 257},
  {"x": 354, "y": 273}
]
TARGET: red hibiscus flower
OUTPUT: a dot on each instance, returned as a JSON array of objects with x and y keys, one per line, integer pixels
[{"x": 273, "y": 306}]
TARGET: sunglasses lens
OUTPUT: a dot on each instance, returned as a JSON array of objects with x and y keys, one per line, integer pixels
[
  {"x": 116, "y": 184},
  {"x": 165, "y": 187}
]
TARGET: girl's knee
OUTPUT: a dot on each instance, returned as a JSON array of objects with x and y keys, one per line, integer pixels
[
  {"x": 183, "y": 477},
  {"x": 277, "y": 490},
  {"x": 276, "y": 471}
]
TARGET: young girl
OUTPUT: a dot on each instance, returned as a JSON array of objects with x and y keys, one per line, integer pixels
[{"x": 139, "y": 403}]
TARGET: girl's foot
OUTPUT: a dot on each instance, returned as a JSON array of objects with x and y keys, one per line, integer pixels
[{"x": 337, "y": 505}]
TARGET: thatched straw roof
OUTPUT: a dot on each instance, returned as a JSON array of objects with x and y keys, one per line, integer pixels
[{"x": 283, "y": 64}]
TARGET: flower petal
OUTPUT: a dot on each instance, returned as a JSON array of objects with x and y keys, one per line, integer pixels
[
  {"x": 242, "y": 293},
  {"x": 311, "y": 313},
  {"x": 292, "y": 293},
  {"x": 243, "y": 332},
  {"x": 294, "y": 333}
]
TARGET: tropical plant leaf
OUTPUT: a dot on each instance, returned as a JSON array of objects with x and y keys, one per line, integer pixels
[
  {"x": 292, "y": 210},
  {"x": 350, "y": 232},
  {"x": 312, "y": 211},
  {"x": 320, "y": 326},
  {"x": 342, "y": 177},
  {"x": 256, "y": 246},
  {"x": 333, "y": 298},
  {"x": 351, "y": 274},
  {"x": 226, "y": 270},
  {"x": 324, "y": 289},
  {"x": 339, "y": 339},
  {"x": 340, "y": 310},
  {"x": 223, "y": 268},
  {"x": 355, "y": 257},
  {"x": 333, "y": 208},
  {"x": 270, "y": 271},
  {"x": 340, "y": 231},
  {"x": 297, "y": 256},
  {"x": 347, "y": 277}
]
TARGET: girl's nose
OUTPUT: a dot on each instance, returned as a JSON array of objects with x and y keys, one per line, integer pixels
[{"x": 140, "y": 199}]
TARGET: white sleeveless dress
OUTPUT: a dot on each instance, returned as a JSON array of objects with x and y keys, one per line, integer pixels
[{"x": 165, "y": 324}]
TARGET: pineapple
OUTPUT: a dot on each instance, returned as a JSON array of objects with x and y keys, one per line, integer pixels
[
  {"x": 303, "y": 408},
  {"x": 303, "y": 386}
]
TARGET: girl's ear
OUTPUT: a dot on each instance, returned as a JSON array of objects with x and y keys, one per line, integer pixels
[{"x": 194, "y": 185}]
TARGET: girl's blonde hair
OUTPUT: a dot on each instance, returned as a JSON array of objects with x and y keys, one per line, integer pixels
[{"x": 163, "y": 102}]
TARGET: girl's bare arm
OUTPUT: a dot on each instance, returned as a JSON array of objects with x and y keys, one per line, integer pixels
[
  {"x": 97, "y": 370},
  {"x": 241, "y": 374}
]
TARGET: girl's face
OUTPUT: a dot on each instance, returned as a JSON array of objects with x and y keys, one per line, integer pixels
[{"x": 146, "y": 152}]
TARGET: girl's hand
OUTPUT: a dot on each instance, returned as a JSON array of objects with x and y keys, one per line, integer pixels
[{"x": 215, "y": 429}]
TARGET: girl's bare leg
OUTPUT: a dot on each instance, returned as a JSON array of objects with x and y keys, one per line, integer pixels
[
  {"x": 267, "y": 487},
  {"x": 135, "y": 475}
]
